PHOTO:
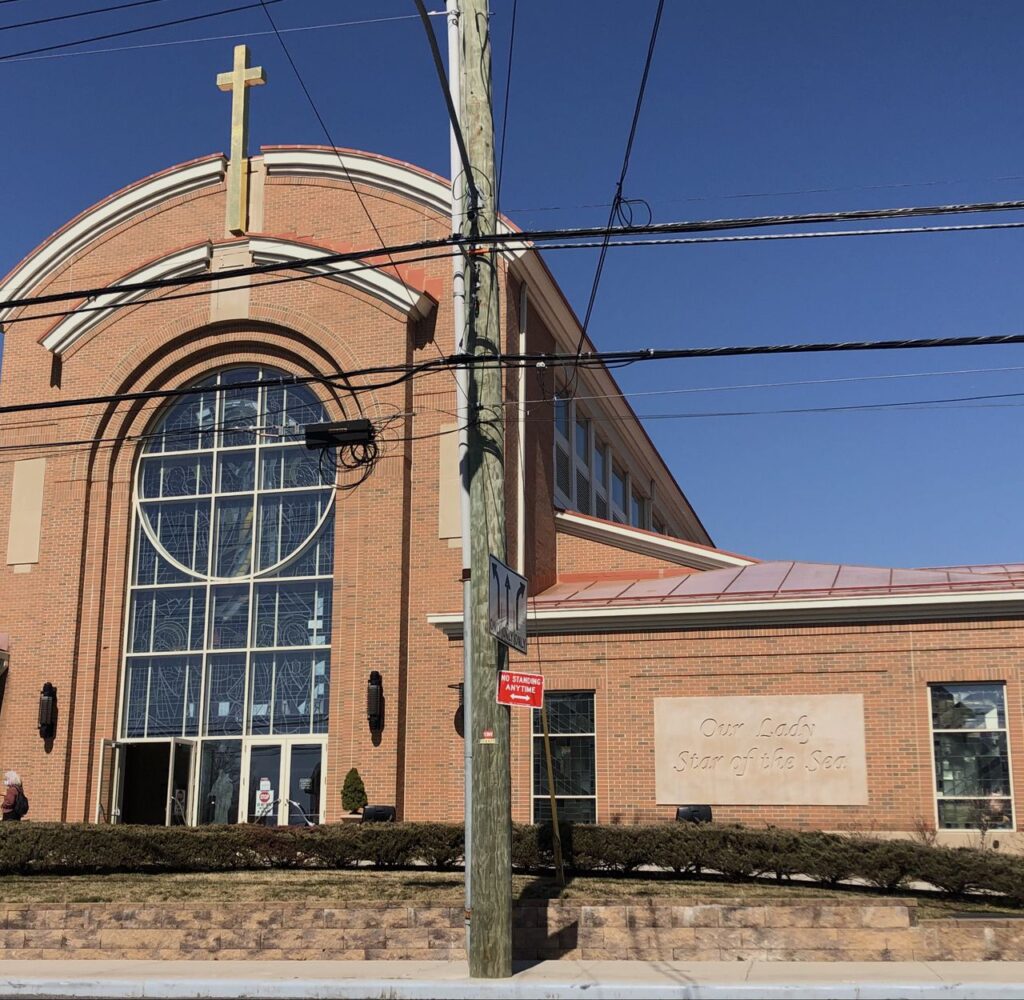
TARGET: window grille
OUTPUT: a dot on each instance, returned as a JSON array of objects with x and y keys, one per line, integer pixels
[
  {"x": 971, "y": 755},
  {"x": 571, "y": 727}
]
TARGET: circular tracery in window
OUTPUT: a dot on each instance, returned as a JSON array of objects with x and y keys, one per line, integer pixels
[{"x": 226, "y": 488}]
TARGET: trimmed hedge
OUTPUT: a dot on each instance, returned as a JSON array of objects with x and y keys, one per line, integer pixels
[{"x": 683, "y": 848}]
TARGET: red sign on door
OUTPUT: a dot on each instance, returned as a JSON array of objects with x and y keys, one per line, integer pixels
[{"x": 524, "y": 690}]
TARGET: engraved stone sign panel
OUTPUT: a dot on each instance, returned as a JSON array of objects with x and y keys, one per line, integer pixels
[{"x": 784, "y": 750}]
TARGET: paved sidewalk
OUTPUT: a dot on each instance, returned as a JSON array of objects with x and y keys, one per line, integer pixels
[{"x": 591, "y": 980}]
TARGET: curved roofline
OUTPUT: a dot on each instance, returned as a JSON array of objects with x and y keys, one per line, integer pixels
[
  {"x": 98, "y": 219},
  {"x": 394, "y": 291},
  {"x": 339, "y": 164}
]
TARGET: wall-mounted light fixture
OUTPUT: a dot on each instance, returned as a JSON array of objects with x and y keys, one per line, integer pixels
[
  {"x": 459, "y": 720},
  {"x": 48, "y": 711},
  {"x": 375, "y": 702}
]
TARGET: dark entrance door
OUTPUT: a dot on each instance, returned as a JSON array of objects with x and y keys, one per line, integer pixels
[{"x": 144, "y": 788}]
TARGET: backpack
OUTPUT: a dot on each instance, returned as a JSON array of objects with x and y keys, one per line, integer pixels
[{"x": 20, "y": 804}]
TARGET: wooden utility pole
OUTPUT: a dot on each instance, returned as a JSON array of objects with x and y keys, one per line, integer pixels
[{"x": 490, "y": 939}]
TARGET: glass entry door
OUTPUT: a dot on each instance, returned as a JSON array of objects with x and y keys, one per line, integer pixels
[
  {"x": 283, "y": 783},
  {"x": 265, "y": 795},
  {"x": 179, "y": 782}
]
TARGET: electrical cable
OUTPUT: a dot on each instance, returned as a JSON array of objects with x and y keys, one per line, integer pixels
[
  {"x": 220, "y": 38},
  {"x": 506, "y": 240},
  {"x": 618, "y": 199},
  {"x": 205, "y": 292},
  {"x": 781, "y": 194},
  {"x": 132, "y": 31},
  {"x": 330, "y": 140},
  {"x": 472, "y": 193},
  {"x": 81, "y": 13},
  {"x": 327, "y": 132},
  {"x": 540, "y": 361},
  {"x": 682, "y": 241},
  {"x": 504, "y": 114}
]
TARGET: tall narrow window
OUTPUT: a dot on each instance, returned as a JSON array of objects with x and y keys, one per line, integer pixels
[
  {"x": 972, "y": 765},
  {"x": 563, "y": 452},
  {"x": 229, "y": 615},
  {"x": 637, "y": 510},
  {"x": 573, "y": 758},
  {"x": 618, "y": 495},
  {"x": 582, "y": 463},
  {"x": 601, "y": 479}
]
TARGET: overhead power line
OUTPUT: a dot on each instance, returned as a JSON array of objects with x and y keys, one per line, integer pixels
[
  {"x": 343, "y": 379},
  {"x": 681, "y": 241},
  {"x": 222, "y": 38},
  {"x": 540, "y": 236},
  {"x": 131, "y": 31},
  {"x": 617, "y": 198},
  {"x": 472, "y": 193},
  {"x": 78, "y": 14}
]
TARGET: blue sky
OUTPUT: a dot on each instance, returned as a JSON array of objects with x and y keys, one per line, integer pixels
[{"x": 751, "y": 108}]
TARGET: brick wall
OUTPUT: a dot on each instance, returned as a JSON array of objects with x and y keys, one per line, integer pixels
[
  {"x": 682, "y": 930},
  {"x": 65, "y": 616}
]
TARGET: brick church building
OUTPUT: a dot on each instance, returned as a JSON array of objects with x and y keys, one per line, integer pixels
[{"x": 207, "y": 605}]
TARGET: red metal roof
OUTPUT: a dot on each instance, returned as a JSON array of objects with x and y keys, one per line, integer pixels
[{"x": 773, "y": 581}]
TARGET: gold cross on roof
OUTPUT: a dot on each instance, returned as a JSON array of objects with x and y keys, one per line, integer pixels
[{"x": 238, "y": 82}]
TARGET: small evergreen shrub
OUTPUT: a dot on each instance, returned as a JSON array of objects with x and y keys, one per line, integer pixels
[{"x": 353, "y": 792}]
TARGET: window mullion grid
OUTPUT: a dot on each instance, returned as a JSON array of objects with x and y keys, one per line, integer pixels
[
  {"x": 1004, "y": 730},
  {"x": 149, "y": 684}
]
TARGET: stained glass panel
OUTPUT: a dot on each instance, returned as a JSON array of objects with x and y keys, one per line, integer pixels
[
  {"x": 236, "y": 471},
  {"x": 292, "y": 468},
  {"x": 225, "y": 694},
  {"x": 175, "y": 476},
  {"x": 187, "y": 427},
  {"x": 166, "y": 619},
  {"x": 292, "y": 688},
  {"x": 286, "y": 521},
  {"x": 182, "y": 527},
  {"x": 293, "y": 614},
  {"x": 162, "y": 696},
  {"x": 135, "y": 688},
  {"x": 239, "y": 408},
  {"x": 261, "y": 695},
  {"x": 219, "y": 481},
  {"x": 229, "y": 616},
  {"x": 321, "y": 692},
  {"x": 288, "y": 410},
  {"x": 232, "y": 552},
  {"x": 316, "y": 557}
]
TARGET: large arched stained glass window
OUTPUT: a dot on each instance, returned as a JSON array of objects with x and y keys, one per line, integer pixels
[{"x": 228, "y": 628}]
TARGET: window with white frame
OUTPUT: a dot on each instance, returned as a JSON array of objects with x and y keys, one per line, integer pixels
[
  {"x": 972, "y": 762},
  {"x": 587, "y": 478},
  {"x": 571, "y": 727}
]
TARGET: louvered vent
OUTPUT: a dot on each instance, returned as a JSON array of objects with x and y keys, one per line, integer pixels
[{"x": 600, "y": 506}]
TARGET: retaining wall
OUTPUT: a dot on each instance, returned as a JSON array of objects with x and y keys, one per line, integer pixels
[{"x": 681, "y": 930}]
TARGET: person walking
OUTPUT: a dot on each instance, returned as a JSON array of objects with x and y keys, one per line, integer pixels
[{"x": 15, "y": 803}]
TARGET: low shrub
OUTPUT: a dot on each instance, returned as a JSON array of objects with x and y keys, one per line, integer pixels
[{"x": 687, "y": 849}]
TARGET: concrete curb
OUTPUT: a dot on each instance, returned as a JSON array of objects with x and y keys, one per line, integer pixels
[{"x": 141, "y": 980}]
